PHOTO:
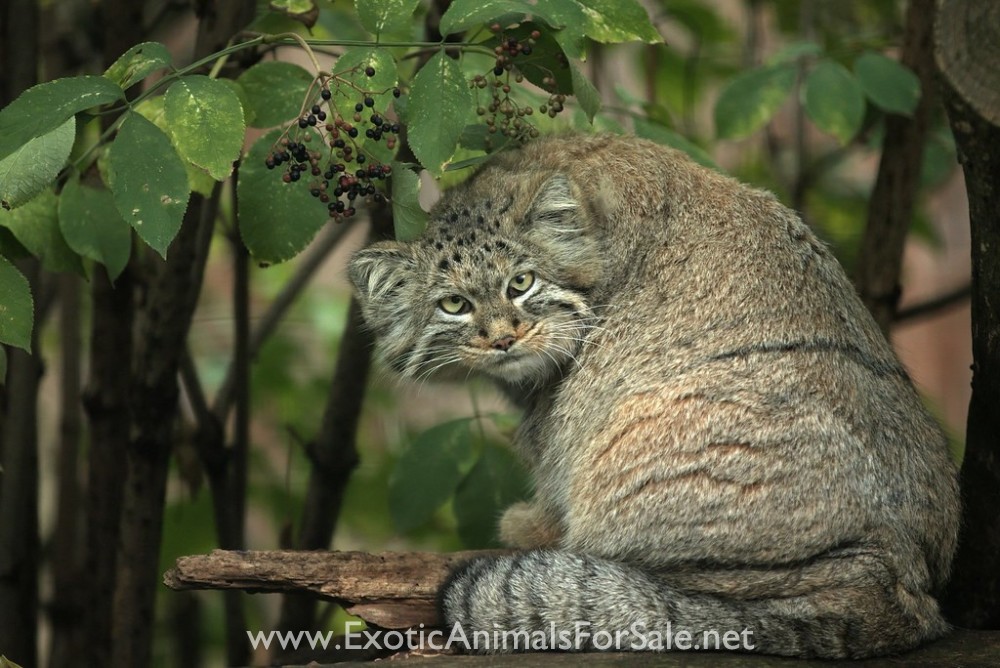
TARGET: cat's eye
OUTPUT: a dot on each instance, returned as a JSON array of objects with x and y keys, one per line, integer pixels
[
  {"x": 520, "y": 284},
  {"x": 455, "y": 305}
]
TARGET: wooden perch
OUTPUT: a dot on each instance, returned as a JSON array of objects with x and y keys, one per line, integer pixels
[
  {"x": 393, "y": 590},
  {"x": 396, "y": 590}
]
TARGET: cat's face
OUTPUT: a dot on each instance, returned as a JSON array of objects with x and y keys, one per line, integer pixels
[{"x": 490, "y": 287}]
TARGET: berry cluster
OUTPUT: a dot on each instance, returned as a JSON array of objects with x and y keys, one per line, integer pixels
[
  {"x": 341, "y": 170},
  {"x": 503, "y": 114}
]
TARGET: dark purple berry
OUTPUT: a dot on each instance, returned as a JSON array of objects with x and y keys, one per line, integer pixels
[
  {"x": 370, "y": 71},
  {"x": 498, "y": 70},
  {"x": 325, "y": 94},
  {"x": 396, "y": 92},
  {"x": 321, "y": 115},
  {"x": 361, "y": 159},
  {"x": 376, "y": 119},
  {"x": 295, "y": 176},
  {"x": 270, "y": 163},
  {"x": 359, "y": 107},
  {"x": 311, "y": 120},
  {"x": 315, "y": 109},
  {"x": 353, "y": 132},
  {"x": 303, "y": 122},
  {"x": 369, "y": 102},
  {"x": 526, "y": 49}
]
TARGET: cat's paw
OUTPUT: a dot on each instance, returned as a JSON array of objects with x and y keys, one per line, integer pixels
[{"x": 526, "y": 526}]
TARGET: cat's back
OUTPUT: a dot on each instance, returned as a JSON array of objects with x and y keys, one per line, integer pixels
[{"x": 734, "y": 368}]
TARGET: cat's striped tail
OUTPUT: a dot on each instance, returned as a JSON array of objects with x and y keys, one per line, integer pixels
[{"x": 548, "y": 599}]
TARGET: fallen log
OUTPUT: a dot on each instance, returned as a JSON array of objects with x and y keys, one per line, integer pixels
[{"x": 392, "y": 590}]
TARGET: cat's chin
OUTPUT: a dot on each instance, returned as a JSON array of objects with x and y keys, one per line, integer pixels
[{"x": 524, "y": 369}]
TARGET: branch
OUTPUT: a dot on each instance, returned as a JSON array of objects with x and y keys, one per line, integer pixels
[
  {"x": 933, "y": 305},
  {"x": 310, "y": 264},
  {"x": 390, "y": 589}
]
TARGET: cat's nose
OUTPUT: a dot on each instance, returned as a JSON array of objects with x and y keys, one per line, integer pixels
[{"x": 503, "y": 343}]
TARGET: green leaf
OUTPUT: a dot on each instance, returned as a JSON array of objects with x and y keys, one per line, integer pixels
[
  {"x": 465, "y": 14},
  {"x": 661, "y": 135},
  {"x": 206, "y": 123},
  {"x": 199, "y": 180},
  {"x": 440, "y": 102},
  {"x": 890, "y": 85},
  {"x": 137, "y": 63},
  {"x": 572, "y": 36},
  {"x": 585, "y": 92},
  {"x": 408, "y": 219},
  {"x": 16, "y": 307},
  {"x": 427, "y": 473},
  {"x": 750, "y": 99},
  {"x": 43, "y": 108},
  {"x": 277, "y": 219},
  {"x": 275, "y": 91},
  {"x": 494, "y": 483},
  {"x": 834, "y": 100},
  {"x": 611, "y": 21},
  {"x": 380, "y": 17},
  {"x": 795, "y": 51},
  {"x": 92, "y": 226},
  {"x": 241, "y": 94},
  {"x": 36, "y": 226},
  {"x": 31, "y": 169},
  {"x": 148, "y": 181},
  {"x": 351, "y": 66}
]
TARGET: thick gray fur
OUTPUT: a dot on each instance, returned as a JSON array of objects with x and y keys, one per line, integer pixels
[{"x": 720, "y": 436}]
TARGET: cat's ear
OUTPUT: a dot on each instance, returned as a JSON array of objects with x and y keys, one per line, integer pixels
[
  {"x": 556, "y": 206},
  {"x": 559, "y": 223},
  {"x": 378, "y": 270}
]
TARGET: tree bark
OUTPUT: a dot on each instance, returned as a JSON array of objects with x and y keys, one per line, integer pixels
[
  {"x": 66, "y": 608},
  {"x": 19, "y": 549},
  {"x": 389, "y": 589},
  {"x": 161, "y": 335},
  {"x": 890, "y": 209},
  {"x": 973, "y": 595}
]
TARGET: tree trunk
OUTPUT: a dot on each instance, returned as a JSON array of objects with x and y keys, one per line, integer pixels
[
  {"x": 890, "y": 209},
  {"x": 19, "y": 548},
  {"x": 968, "y": 47}
]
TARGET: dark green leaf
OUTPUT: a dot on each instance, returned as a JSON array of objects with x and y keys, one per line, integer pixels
[
  {"x": 277, "y": 219},
  {"x": 137, "y": 63},
  {"x": 381, "y": 17},
  {"x": 275, "y": 91},
  {"x": 206, "y": 123},
  {"x": 45, "y": 107},
  {"x": 408, "y": 219},
  {"x": 440, "y": 102},
  {"x": 36, "y": 226},
  {"x": 199, "y": 180},
  {"x": 16, "y": 307},
  {"x": 494, "y": 483},
  {"x": 92, "y": 226},
  {"x": 31, "y": 169},
  {"x": 148, "y": 181},
  {"x": 750, "y": 99},
  {"x": 568, "y": 14},
  {"x": 585, "y": 92},
  {"x": 834, "y": 101},
  {"x": 465, "y": 14},
  {"x": 667, "y": 137},
  {"x": 888, "y": 84},
  {"x": 612, "y": 21},
  {"x": 427, "y": 473}
]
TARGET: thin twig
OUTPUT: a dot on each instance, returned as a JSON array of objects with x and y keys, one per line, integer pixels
[{"x": 934, "y": 305}]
